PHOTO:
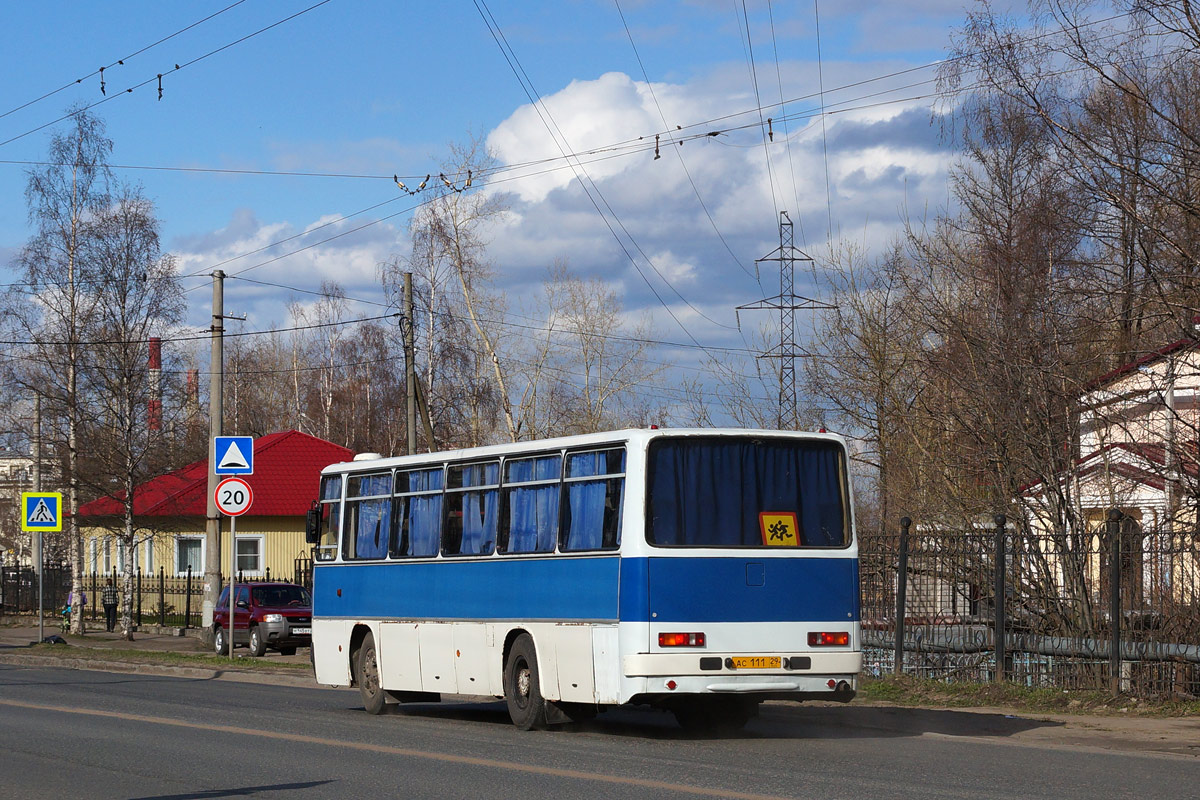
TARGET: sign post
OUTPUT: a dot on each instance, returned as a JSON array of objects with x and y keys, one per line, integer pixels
[
  {"x": 233, "y": 497},
  {"x": 41, "y": 512}
]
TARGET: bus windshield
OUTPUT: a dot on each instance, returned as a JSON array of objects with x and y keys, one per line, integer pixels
[{"x": 734, "y": 492}]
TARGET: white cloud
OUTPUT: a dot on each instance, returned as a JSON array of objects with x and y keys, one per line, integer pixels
[{"x": 880, "y": 160}]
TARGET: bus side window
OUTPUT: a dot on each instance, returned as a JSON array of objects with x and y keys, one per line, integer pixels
[
  {"x": 418, "y": 513},
  {"x": 331, "y": 499},
  {"x": 368, "y": 516},
  {"x": 592, "y": 494},
  {"x": 472, "y": 509},
  {"x": 529, "y": 515}
]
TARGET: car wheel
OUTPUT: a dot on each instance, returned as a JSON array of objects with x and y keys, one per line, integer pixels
[
  {"x": 287, "y": 651},
  {"x": 219, "y": 641},
  {"x": 522, "y": 688},
  {"x": 366, "y": 669},
  {"x": 257, "y": 645}
]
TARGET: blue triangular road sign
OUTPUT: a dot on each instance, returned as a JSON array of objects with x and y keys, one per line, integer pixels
[{"x": 234, "y": 455}]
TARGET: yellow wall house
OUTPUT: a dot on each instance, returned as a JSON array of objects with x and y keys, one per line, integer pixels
[{"x": 169, "y": 514}]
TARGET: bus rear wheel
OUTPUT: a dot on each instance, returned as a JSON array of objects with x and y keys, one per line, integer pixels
[
  {"x": 522, "y": 687},
  {"x": 715, "y": 715},
  {"x": 366, "y": 675}
]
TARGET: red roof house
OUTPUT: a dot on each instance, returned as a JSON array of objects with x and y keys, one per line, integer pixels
[{"x": 170, "y": 511}]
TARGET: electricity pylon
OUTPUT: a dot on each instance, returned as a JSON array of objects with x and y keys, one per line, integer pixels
[{"x": 787, "y": 302}]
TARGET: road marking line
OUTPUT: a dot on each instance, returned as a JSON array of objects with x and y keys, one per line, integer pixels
[{"x": 404, "y": 751}]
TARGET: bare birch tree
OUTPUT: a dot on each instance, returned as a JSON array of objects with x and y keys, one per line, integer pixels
[
  {"x": 137, "y": 296},
  {"x": 53, "y": 305}
]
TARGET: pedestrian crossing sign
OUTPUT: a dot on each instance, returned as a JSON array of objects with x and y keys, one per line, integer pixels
[{"x": 41, "y": 511}]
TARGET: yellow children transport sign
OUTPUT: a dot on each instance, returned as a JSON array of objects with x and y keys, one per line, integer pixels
[
  {"x": 41, "y": 511},
  {"x": 779, "y": 528}
]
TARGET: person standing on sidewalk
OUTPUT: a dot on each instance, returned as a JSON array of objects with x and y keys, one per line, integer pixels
[{"x": 108, "y": 599}]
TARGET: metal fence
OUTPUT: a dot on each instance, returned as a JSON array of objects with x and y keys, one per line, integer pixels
[
  {"x": 1116, "y": 607},
  {"x": 158, "y": 598}
]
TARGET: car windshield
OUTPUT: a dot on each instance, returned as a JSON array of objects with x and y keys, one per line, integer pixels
[
  {"x": 743, "y": 492},
  {"x": 280, "y": 596}
]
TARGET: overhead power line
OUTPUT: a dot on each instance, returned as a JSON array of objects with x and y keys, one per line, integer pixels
[
  {"x": 197, "y": 336},
  {"x": 158, "y": 77},
  {"x": 591, "y": 190},
  {"x": 120, "y": 61}
]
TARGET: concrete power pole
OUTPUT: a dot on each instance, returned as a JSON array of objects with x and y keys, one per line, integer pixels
[
  {"x": 787, "y": 302},
  {"x": 410, "y": 369},
  {"x": 216, "y": 387},
  {"x": 39, "y": 544}
]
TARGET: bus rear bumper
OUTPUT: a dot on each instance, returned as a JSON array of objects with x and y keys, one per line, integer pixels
[
  {"x": 829, "y": 676},
  {"x": 717, "y": 667}
]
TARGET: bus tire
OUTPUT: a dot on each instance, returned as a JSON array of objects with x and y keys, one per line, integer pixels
[
  {"x": 366, "y": 675},
  {"x": 522, "y": 687}
]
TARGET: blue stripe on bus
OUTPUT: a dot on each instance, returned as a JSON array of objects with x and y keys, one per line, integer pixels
[
  {"x": 752, "y": 590},
  {"x": 530, "y": 588},
  {"x": 675, "y": 589}
]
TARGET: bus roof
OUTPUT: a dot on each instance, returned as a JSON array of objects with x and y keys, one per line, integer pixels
[{"x": 639, "y": 436}]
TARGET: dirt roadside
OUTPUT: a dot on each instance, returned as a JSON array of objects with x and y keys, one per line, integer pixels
[{"x": 159, "y": 654}]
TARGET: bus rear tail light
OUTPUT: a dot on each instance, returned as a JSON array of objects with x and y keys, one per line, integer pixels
[
  {"x": 828, "y": 639},
  {"x": 681, "y": 640}
]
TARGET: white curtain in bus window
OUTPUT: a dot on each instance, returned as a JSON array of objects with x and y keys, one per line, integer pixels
[
  {"x": 593, "y": 484},
  {"x": 472, "y": 509},
  {"x": 419, "y": 506},
  {"x": 368, "y": 516},
  {"x": 531, "y": 503},
  {"x": 331, "y": 497},
  {"x": 709, "y": 492}
]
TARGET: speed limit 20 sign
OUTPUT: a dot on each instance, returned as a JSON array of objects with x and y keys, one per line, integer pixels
[{"x": 233, "y": 497}]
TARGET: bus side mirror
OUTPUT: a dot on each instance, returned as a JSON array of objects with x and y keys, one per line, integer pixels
[{"x": 312, "y": 525}]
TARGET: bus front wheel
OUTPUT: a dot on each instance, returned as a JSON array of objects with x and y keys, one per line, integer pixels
[
  {"x": 522, "y": 687},
  {"x": 366, "y": 675}
]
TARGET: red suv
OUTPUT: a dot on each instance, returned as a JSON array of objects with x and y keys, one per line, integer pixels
[{"x": 274, "y": 615}]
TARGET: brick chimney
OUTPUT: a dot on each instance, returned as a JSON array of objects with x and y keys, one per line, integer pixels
[{"x": 154, "y": 404}]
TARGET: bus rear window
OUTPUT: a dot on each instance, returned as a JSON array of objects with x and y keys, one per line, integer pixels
[{"x": 721, "y": 492}]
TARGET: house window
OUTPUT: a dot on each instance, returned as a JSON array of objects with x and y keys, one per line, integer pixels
[
  {"x": 107, "y": 555},
  {"x": 93, "y": 560},
  {"x": 121, "y": 556},
  {"x": 149, "y": 560},
  {"x": 250, "y": 555},
  {"x": 189, "y": 552}
]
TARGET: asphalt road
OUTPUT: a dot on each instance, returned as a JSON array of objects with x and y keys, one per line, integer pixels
[{"x": 68, "y": 734}]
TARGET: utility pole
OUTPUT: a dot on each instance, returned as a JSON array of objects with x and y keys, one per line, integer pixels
[
  {"x": 216, "y": 387},
  {"x": 787, "y": 302},
  {"x": 39, "y": 543},
  {"x": 416, "y": 401},
  {"x": 410, "y": 370}
]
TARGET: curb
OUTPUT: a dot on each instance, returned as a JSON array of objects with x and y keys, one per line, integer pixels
[{"x": 165, "y": 670}]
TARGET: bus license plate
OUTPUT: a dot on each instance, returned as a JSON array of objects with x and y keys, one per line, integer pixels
[
  {"x": 302, "y": 630},
  {"x": 756, "y": 662}
]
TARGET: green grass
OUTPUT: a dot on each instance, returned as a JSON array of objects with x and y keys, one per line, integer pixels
[
  {"x": 242, "y": 661},
  {"x": 912, "y": 691}
]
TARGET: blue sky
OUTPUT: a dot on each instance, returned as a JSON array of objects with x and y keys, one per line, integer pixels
[{"x": 377, "y": 88}]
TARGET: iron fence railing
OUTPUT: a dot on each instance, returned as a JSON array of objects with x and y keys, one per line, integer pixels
[
  {"x": 1113, "y": 607},
  {"x": 158, "y": 598}
]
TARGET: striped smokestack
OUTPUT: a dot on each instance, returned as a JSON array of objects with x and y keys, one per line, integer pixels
[{"x": 154, "y": 404}]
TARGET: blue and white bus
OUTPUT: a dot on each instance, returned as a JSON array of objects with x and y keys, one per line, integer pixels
[{"x": 699, "y": 571}]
